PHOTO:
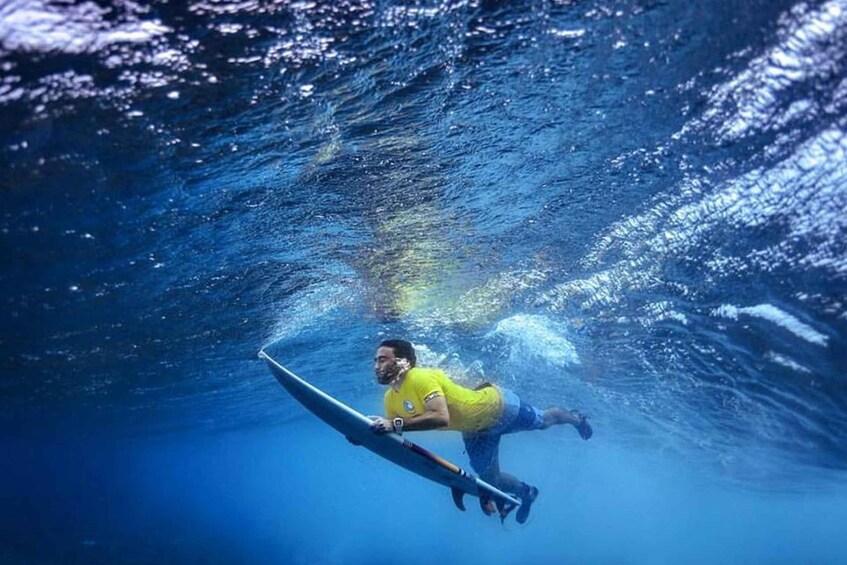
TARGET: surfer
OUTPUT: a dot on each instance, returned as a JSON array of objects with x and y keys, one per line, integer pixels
[{"x": 426, "y": 399}]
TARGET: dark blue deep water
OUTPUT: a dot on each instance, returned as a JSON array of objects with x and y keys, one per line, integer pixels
[{"x": 635, "y": 208}]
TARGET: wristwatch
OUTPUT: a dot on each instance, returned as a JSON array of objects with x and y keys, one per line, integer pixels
[{"x": 398, "y": 425}]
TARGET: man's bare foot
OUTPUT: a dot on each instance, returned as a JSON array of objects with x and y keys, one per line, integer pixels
[
  {"x": 554, "y": 416},
  {"x": 582, "y": 425}
]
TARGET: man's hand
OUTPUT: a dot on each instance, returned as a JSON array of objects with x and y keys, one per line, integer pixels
[{"x": 381, "y": 425}]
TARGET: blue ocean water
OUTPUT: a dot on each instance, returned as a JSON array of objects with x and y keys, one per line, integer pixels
[{"x": 634, "y": 208}]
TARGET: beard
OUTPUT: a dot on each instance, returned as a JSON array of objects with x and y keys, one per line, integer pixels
[{"x": 388, "y": 375}]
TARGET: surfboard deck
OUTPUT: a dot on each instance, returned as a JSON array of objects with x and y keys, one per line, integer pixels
[{"x": 356, "y": 427}]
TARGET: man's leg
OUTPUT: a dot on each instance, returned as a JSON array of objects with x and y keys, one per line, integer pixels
[
  {"x": 510, "y": 483},
  {"x": 503, "y": 481},
  {"x": 531, "y": 418},
  {"x": 556, "y": 416},
  {"x": 484, "y": 453}
]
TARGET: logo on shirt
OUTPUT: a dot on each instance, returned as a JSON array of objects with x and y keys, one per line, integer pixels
[{"x": 407, "y": 404}]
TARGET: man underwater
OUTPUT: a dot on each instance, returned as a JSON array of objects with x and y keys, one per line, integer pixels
[{"x": 426, "y": 399}]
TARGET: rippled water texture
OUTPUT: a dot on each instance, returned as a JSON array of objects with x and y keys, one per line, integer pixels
[{"x": 635, "y": 206}]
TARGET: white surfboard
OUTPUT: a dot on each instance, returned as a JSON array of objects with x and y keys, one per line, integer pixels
[{"x": 356, "y": 427}]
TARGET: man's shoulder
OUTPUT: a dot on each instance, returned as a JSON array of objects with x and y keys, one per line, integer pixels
[
  {"x": 425, "y": 372},
  {"x": 425, "y": 380}
]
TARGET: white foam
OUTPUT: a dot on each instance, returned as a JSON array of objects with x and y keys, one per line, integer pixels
[
  {"x": 538, "y": 337},
  {"x": 567, "y": 33},
  {"x": 786, "y": 362},
  {"x": 39, "y": 26},
  {"x": 662, "y": 311},
  {"x": 776, "y": 316}
]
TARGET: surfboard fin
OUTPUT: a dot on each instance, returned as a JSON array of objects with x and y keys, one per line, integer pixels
[
  {"x": 353, "y": 441},
  {"x": 458, "y": 498},
  {"x": 504, "y": 509}
]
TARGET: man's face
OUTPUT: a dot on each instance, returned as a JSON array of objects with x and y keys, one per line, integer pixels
[{"x": 386, "y": 366}]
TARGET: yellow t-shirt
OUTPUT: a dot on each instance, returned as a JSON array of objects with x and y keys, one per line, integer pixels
[{"x": 470, "y": 410}]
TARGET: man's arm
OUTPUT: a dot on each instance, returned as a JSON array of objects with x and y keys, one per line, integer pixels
[{"x": 435, "y": 417}]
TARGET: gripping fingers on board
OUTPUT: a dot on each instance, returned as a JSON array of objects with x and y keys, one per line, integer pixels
[{"x": 379, "y": 425}]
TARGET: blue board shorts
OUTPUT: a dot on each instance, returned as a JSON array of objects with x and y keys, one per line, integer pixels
[{"x": 518, "y": 416}]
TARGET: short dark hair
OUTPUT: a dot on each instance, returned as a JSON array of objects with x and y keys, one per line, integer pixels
[{"x": 402, "y": 349}]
